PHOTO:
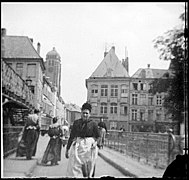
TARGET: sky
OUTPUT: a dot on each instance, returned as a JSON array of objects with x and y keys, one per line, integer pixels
[{"x": 81, "y": 32}]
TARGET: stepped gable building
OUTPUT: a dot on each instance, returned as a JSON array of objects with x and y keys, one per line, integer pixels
[
  {"x": 108, "y": 91},
  {"x": 53, "y": 69}
]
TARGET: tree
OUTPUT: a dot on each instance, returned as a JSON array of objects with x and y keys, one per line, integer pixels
[{"x": 173, "y": 46}]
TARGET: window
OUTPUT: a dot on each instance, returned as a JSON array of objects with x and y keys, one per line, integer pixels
[
  {"x": 94, "y": 91},
  {"x": 113, "y": 108},
  {"x": 103, "y": 108},
  {"x": 134, "y": 99},
  {"x": 31, "y": 70},
  {"x": 134, "y": 114},
  {"x": 124, "y": 91},
  {"x": 150, "y": 100},
  {"x": 142, "y": 115},
  {"x": 114, "y": 90},
  {"x": 142, "y": 87},
  {"x": 104, "y": 90},
  {"x": 19, "y": 68},
  {"x": 135, "y": 86},
  {"x": 150, "y": 115},
  {"x": 124, "y": 109},
  {"x": 159, "y": 100},
  {"x": 143, "y": 99}
]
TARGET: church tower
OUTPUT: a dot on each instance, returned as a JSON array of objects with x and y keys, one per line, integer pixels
[{"x": 53, "y": 69}]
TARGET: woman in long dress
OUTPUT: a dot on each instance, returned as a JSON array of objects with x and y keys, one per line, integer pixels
[
  {"x": 53, "y": 151},
  {"x": 82, "y": 145},
  {"x": 28, "y": 143}
]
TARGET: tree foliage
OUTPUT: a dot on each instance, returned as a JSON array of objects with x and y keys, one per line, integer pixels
[{"x": 172, "y": 46}]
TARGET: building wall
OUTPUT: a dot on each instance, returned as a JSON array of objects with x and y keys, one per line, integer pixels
[
  {"x": 147, "y": 114},
  {"x": 111, "y": 119},
  {"x": 145, "y": 105},
  {"x": 36, "y": 79}
]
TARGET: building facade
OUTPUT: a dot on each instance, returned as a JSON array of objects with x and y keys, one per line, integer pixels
[
  {"x": 145, "y": 109},
  {"x": 124, "y": 101},
  {"x": 108, "y": 92},
  {"x": 20, "y": 54}
]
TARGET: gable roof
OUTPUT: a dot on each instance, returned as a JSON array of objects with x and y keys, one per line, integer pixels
[
  {"x": 149, "y": 73},
  {"x": 19, "y": 47},
  {"x": 110, "y": 66}
]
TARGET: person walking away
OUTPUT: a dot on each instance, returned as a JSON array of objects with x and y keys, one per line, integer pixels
[
  {"x": 82, "y": 145},
  {"x": 53, "y": 151},
  {"x": 30, "y": 136},
  {"x": 103, "y": 131}
]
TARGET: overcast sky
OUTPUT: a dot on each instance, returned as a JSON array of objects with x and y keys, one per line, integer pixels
[{"x": 80, "y": 32}]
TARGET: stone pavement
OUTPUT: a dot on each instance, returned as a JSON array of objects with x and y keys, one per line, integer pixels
[{"x": 20, "y": 167}]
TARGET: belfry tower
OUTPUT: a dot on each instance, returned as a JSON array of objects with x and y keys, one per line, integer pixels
[{"x": 53, "y": 69}]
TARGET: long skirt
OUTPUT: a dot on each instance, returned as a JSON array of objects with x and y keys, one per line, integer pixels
[
  {"x": 83, "y": 155},
  {"x": 53, "y": 151},
  {"x": 28, "y": 143}
]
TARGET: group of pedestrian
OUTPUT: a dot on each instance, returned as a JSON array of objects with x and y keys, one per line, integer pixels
[{"x": 85, "y": 139}]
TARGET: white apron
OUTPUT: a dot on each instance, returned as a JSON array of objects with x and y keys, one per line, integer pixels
[{"x": 82, "y": 150}]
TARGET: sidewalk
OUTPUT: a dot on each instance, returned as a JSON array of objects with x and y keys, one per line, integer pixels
[
  {"x": 20, "y": 167},
  {"x": 129, "y": 166}
]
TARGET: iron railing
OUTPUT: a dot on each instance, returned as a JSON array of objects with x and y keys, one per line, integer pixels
[{"x": 154, "y": 149}]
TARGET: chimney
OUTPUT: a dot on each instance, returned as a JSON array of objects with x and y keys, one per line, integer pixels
[
  {"x": 38, "y": 48},
  {"x": 105, "y": 53},
  {"x": 125, "y": 64},
  {"x": 31, "y": 39},
  {"x": 3, "y": 32},
  {"x": 113, "y": 47},
  {"x": 148, "y": 65}
]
